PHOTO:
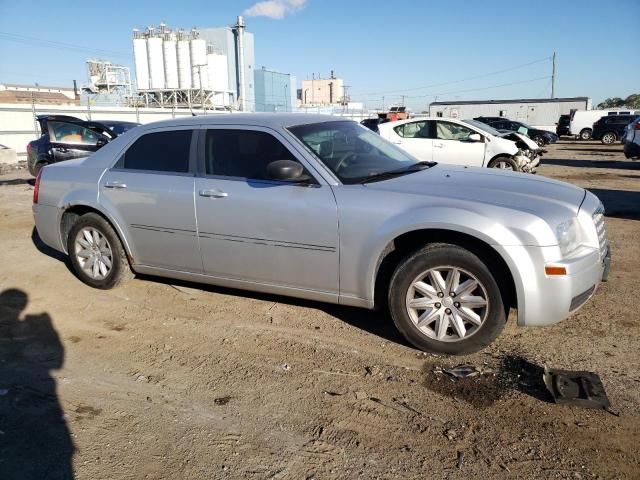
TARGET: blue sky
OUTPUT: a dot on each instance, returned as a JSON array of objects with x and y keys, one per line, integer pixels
[{"x": 379, "y": 47}]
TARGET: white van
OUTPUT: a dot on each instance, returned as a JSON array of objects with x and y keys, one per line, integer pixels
[{"x": 582, "y": 120}]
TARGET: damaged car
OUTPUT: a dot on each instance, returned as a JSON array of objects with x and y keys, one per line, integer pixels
[
  {"x": 65, "y": 137},
  {"x": 462, "y": 142}
]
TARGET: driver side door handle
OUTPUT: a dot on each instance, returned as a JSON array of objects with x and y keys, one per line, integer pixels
[{"x": 215, "y": 193}]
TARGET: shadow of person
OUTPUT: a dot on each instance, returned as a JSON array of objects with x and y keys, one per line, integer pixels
[{"x": 35, "y": 442}]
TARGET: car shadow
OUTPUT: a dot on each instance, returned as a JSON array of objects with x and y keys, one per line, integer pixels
[
  {"x": 610, "y": 164},
  {"x": 35, "y": 441},
  {"x": 619, "y": 203},
  {"x": 47, "y": 250},
  {"x": 376, "y": 322},
  {"x": 18, "y": 181},
  {"x": 588, "y": 149}
]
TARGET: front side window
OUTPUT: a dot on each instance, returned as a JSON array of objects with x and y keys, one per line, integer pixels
[
  {"x": 160, "y": 151},
  {"x": 72, "y": 133},
  {"x": 353, "y": 153},
  {"x": 452, "y": 131},
  {"x": 414, "y": 130},
  {"x": 242, "y": 153}
]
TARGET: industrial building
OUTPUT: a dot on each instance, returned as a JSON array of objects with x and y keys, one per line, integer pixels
[
  {"x": 274, "y": 91},
  {"x": 532, "y": 111},
  {"x": 210, "y": 68},
  {"x": 323, "y": 91},
  {"x": 43, "y": 95}
]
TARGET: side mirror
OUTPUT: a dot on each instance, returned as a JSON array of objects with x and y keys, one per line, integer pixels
[
  {"x": 102, "y": 141},
  {"x": 475, "y": 137},
  {"x": 287, "y": 171}
]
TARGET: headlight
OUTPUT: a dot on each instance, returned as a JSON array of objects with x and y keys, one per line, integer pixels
[{"x": 568, "y": 234}]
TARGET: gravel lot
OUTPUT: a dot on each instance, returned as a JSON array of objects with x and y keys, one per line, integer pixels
[{"x": 162, "y": 380}]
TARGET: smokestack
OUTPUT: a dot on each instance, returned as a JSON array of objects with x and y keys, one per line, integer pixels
[
  {"x": 75, "y": 90},
  {"x": 240, "y": 54}
]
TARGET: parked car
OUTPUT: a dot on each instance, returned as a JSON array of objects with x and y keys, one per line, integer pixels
[
  {"x": 632, "y": 140},
  {"x": 541, "y": 137},
  {"x": 461, "y": 142},
  {"x": 324, "y": 209},
  {"x": 117, "y": 126},
  {"x": 610, "y": 128},
  {"x": 65, "y": 138},
  {"x": 582, "y": 120},
  {"x": 562, "y": 127},
  {"x": 372, "y": 123}
]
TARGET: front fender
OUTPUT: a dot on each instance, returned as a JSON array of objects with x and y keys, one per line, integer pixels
[{"x": 366, "y": 260}]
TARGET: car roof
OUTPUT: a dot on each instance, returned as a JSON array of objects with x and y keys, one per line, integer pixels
[
  {"x": 271, "y": 120},
  {"x": 109, "y": 123}
]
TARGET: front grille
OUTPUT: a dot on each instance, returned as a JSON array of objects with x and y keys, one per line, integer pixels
[{"x": 601, "y": 229}]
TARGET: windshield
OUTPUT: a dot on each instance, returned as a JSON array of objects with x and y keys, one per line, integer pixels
[
  {"x": 352, "y": 152},
  {"x": 484, "y": 127}
]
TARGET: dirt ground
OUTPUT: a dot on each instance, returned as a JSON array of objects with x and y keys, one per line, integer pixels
[{"x": 164, "y": 380}]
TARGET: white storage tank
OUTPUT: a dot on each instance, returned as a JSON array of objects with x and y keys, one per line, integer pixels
[
  {"x": 199, "y": 63},
  {"x": 170, "y": 61},
  {"x": 218, "y": 72},
  {"x": 156, "y": 63},
  {"x": 140, "y": 60},
  {"x": 184, "y": 62}
]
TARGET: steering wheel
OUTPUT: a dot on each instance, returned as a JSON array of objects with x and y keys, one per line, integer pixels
[{"x": 340, "y": 162}]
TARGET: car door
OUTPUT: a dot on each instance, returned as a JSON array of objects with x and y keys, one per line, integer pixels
[
  {"x": 453, "y": 145},
  {"x": 150, "y": 191},
  {"x": 415, "y": 138},
  {"x": 71, "y": 140},
  {"x": 259, "y": 230}
]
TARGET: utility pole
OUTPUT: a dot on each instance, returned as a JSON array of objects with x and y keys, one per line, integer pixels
[
  {"x": 553, "y": 76},
  {"x": 383, "y": 103},
  {"x": 403, "y": 99}
]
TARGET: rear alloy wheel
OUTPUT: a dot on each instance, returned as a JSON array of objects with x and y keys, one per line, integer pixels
[
  {"x": 96, "y": 253},
  {"x": 585, "y": 134},
  {"x": 504, "y": 163},
  {"x": 608, "y": 138},
  {"x": 444, "y": 299}
]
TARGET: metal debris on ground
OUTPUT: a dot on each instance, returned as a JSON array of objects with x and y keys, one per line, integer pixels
[
  {"x": 464, "y": 371},
  {"x": 459, "y": 460},
  {"x": 222, "y": 400},
  {"x": 583, "y": 389}
]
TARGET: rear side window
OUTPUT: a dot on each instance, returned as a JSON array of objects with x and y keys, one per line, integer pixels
[
  {"x": 160, "y": 152},
  {"x": 72, "y": 133},
  {"x": 242, "y": 153},
  {"x": 414, "y": 130}
]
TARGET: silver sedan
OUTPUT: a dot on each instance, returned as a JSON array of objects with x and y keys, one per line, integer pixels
[{"x": 322, "y": 208}]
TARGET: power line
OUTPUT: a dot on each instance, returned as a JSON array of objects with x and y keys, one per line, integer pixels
[
  {"x": 475, "y": 89},
  {"x": 59, "y": 45},
  {"x": 497, "y": 72}
]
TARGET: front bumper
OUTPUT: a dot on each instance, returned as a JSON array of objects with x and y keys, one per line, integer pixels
[{"x": 544, "y": 299}]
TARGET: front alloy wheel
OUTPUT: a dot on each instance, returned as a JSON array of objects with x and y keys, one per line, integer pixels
[
  {"x": 447, "y": 304},
  {"x": 609, "y": 138},
  {"x": 445, "y": 299}
]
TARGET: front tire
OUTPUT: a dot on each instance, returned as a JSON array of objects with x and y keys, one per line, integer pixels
[
  {"x": 585, "y": 134},
  {"x": 96, "y": 253},
  {"x": 444, "y": 299},
  {"x": 608, "y": 138},
  {"x": 504, "y": 163}
]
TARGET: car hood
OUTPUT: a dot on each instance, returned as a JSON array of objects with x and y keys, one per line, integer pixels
[
  {"x": 515, "y": 136},
  {"x": 517, "y": 191}
]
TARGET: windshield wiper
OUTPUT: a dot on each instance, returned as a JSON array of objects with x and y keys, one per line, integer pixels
[{"x": 416, "y": 167}]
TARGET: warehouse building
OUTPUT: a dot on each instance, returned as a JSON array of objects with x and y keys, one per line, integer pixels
[
  {"x": 323, "y": 91},
  {"x": 539, "y": 112},
  {"x": 274, "y": 91}
]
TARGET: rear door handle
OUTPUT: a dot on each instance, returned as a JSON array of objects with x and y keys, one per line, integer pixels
[
  {"x": 213, "y": 193},
  {"x": 438, "y": 145},
  {"x": 115, "y": 185}
]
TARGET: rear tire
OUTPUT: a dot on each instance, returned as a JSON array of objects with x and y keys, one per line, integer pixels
[
  {"x": 504, "y": 163},
  {"x": 585, "y": 134},
  {"x": 440, "y": 311},
  {"x": 609, "y": 138},
  {"x": 96, "y": 253}
]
